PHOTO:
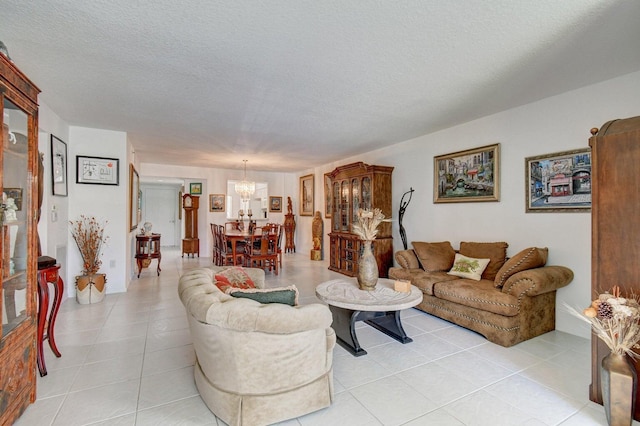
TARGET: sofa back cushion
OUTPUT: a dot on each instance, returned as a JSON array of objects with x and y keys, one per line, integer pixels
[
  {"x": 434, "y": 257},
  {"x": 497, "y": 252},
  {"x": 532, "y": 257}
]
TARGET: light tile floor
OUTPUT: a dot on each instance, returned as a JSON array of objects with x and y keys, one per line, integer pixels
[{"x": 129, "y": 361}]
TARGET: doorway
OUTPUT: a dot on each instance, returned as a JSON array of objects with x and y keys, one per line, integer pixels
[{"x": 160, "y": 205}]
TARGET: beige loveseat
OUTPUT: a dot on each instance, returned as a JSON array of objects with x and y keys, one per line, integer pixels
[
  {"x": 257, "y": 364},
  {"x": 514, "y": 300}
]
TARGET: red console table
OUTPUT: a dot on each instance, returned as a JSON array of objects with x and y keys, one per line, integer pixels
[{"x": 46, "y": 276}]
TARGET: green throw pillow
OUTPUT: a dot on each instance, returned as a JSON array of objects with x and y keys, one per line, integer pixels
[{"x": 284, "y": 295}]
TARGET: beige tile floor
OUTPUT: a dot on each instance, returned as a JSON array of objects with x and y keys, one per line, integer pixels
[{"x": 129, "y": 361}]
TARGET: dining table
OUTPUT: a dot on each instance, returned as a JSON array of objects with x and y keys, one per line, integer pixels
[{"x": 235, "y": 235}]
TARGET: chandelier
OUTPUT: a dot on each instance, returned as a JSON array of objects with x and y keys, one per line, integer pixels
[{"x": 244, "y": 188}]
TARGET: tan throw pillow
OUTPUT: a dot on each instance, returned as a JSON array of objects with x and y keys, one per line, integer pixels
[
  {"x": 407, "y": 259},
  {"x": 532, "y": 257},
  {"x": 434, "y": 257},
  {"x": 468, "y": 267},
  {"x": 497, "y": 252}
]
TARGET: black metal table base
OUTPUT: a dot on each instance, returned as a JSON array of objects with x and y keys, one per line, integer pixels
[{"x": 344, "y": 322}]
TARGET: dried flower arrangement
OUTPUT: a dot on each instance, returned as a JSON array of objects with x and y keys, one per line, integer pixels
[
  {"x": 366, "y": 225},
  {"x": 615, "y": 320},
  {"x": 88, "y": 234}
]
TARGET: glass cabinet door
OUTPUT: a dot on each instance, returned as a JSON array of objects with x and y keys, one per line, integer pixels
[
  {"x": 366, "y": 193},
  {"x": 355, "y": 191},
  {"x": 13, "y": 215},
  {"x": 335, "y": 214},
  {"x": 344, "y": 206}
]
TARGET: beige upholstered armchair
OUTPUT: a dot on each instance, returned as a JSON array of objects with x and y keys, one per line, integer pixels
[{"x": 257, "y": 364}]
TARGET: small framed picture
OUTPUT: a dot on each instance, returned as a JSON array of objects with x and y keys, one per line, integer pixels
[
  {"x": 195, "y": 188},
  {"x": 217, "y": 203},
  {"x": 275, "y": 204},
  {"x": 58, "y": 167},
  {"x": 97, "y": 170},
  {"x": 558, "y": 182},
  {"x": 306, "y": 195}
]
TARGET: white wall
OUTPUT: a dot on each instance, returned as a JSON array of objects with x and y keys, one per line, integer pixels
[
  {"x": 554, "y": 124},
  {"x": 54, "y": 233},
  {"x": 105, "y": 202}
]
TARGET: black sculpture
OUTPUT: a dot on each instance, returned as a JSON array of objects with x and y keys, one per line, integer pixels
[{"x": 403, "y": 207}]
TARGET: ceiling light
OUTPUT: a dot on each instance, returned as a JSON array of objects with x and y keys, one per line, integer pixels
[{"x": 244, "y": 188}]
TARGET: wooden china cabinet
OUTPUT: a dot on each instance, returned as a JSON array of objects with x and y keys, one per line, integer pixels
[
  {"x": 18, "y": 251},
  {"x": 359, "y": 186},
  {"x": 615, "y": 223},
  {"x": 191, "y": 242}
]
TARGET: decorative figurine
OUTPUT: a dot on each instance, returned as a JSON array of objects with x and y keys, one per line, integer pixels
[{"x": 316, "y": 231}]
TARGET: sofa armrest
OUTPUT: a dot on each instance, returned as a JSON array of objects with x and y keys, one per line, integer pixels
[
  {"x": 533, "y": 282},
  {"x": 407, "y": 259}
]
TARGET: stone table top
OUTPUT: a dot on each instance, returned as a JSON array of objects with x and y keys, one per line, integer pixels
[{"x": 345, "y": 293}]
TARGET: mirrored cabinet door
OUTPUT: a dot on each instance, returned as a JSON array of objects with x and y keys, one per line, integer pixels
[{"x": 15, "y": 200}]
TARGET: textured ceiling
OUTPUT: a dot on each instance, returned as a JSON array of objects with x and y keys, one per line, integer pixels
[{"x": 292, "y": 84}]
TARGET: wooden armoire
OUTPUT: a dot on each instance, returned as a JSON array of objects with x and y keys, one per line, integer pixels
[
  {"x": 615, "y": 219},
  {"x": 18, "y": 251},
  {"x": 359, "y": 186}
]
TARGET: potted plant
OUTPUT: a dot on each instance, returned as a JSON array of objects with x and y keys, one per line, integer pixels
[{"x": 88, "y": 233}]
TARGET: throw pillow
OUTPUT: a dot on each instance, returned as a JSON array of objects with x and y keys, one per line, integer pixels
[
  {"x": 468, "y": 267},
  {"x": 497, "y": 252},
  {"x": 284, "y": 295},
  {"x": 233, "y": 277},
  {"x": 532, "y": 257},
  {"x": 434, "y": 257},
  {"x": 407, "y": 259}
]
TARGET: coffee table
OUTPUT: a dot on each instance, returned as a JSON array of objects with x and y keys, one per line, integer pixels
[{"x": 379, "y": 308}]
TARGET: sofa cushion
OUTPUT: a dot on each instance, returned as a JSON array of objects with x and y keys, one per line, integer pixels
[
  {"x": 285, "y": 295},
  {"x": 532, "y": 257},
  {"x": 407, "y": 259},
  {"x": 468, "y": 267},
  {"x": 497, "y": 252},
  {"x": 481, "y": 295},
  {"x": 422, "y": 279},
  {"x": 434, "y": 256},
  {"x": 233, "y": 277}
]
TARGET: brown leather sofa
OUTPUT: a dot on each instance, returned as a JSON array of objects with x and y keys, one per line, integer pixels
[{"x": 514, "y": 299}]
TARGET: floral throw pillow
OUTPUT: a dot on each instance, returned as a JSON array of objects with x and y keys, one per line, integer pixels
[
  {"x": 468, "y": 267},
  {"x": 233, "y": 278}
]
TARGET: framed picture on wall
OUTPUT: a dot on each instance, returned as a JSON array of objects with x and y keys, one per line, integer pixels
[
  {"x": 306, "y": 195},
  {"x": 217, "y": 203},
  {"x": 467, "y": 176},
  {"x": 58, "y": 167},
  {"x": 195, "y": 188},
  {"x": 275, "y": 204},
  {"x": 558, "y": 182},
  {"x": 97, "y": 170},
  {"x": 134, "y": 197}
]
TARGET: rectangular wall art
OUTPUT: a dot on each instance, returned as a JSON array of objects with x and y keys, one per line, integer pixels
[
  {"x": 466, "y": 176},
  {"x": 558, "y": 182}
]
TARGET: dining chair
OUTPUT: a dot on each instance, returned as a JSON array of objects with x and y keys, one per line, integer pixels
[{"x": 261, "y": 250}]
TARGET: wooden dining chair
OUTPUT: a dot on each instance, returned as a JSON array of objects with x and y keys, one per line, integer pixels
[
  {"x": 216, "y": 246},
  {"x": 226, "y": 251},
  {"x": 260, "y": 251}
]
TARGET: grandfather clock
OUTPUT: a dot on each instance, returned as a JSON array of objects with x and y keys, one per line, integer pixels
[{"x": 190, "y": 243}]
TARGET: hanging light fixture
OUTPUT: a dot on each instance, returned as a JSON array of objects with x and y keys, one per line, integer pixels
[{"x": 244, "y": 188}]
